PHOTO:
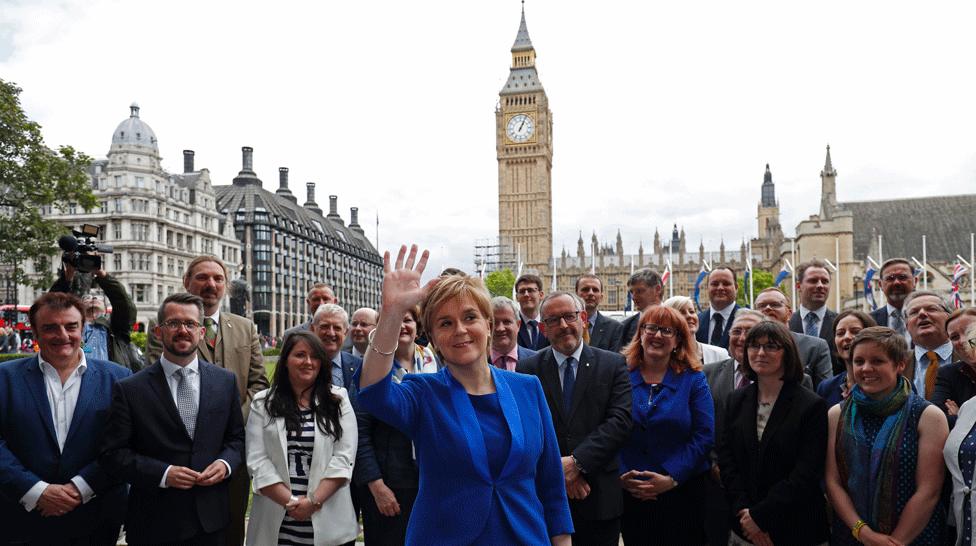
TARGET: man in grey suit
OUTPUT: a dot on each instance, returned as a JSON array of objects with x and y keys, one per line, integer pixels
[
  {"x": 604, "y": 332},
  {"x": 814, "y": 352},
  {"x": 813, "y": 318}
]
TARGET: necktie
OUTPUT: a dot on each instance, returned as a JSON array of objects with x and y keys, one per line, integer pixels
[
  {"x": 716, "y": 338},
  {"x": 931, "y": 371},
  {"x": 586, "y": 332},
  {"x": 569, "y": 381},
  {"x": 743, "y": 379},
  {"x": 211, "y": 333},
  {"x": 185, "y": 403},
  {"x": 533, "y": 329},
  {"x": 502, "y": 362},
  {"x": 897, "y": 324},
  {"x": 811, "y": 324}
]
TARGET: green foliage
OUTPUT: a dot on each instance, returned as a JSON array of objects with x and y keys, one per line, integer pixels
[
  {"x": 760, "y": 281},
  {"x": 6, "y": 357},
  {"x": 34, "y": 176},
  {"x": 500, "y": 283},
  {"x": 272, "y": 351},
  {"x": 139, "y": 340}
]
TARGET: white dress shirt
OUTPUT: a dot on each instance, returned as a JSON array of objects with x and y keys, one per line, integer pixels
[
  {"x": 922, "y": 362},
  {"x": 821, "y": 313},
  {"x": 170, "y": 369},
  {"x": 561, "y": 362},
  {"x": 725, "y": 312},
  {"x": 62, "y": 399}
]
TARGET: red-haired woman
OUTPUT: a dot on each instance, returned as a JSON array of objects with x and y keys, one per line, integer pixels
[{"x": 665, "y": 460}]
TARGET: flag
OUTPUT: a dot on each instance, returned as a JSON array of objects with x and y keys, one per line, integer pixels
[
  {"x": 917, "y": 273},
  {"x": 667, "y": 274},
  {"x": 783, "y": 273},
  {"x": 701, "y": 276},
  {"x": 518, "y": 272},
  {"x": 629, "y": 306},
  {"x": 869, "y": 287},
  {"x": 958, "y": 272}
]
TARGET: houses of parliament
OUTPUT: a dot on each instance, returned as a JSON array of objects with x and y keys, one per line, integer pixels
[{"x": 845, "y": 233}]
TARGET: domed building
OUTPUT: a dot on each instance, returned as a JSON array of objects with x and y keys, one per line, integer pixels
[{"x": 156, "y": 222}]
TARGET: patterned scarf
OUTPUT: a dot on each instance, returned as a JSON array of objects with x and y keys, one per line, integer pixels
[{"x": 868, "y": 469}]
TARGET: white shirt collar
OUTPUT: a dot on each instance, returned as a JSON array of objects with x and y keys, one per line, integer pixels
[
  {"x": 819, "y": 312},
  {"x": 526, "y": 319},
  {"x": 944, "y": 351},
  {"x": 725, "y": 311},
  {"x": 891, "y": 309},
  {"x": 169, "y": 367},
  {"x": 47, "y": 369},
  {"x": 560, "y": 358},
  {"x": 215, "y": 317}
]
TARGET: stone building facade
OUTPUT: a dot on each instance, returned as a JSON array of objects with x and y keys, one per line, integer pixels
[
  {"x": 288, "y": 247},
  {"x": 156, "y": 222}
]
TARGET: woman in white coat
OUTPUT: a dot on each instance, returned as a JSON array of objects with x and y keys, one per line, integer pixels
[
  {"x": 960, "y": 457},
  {"x": 301, "y": 445},
  {"x": 685, "y": 306}
]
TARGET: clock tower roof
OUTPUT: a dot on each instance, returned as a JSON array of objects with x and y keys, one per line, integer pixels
[
  {"x": 523, "y": 77},
  {"x": 522, "y": 40}
]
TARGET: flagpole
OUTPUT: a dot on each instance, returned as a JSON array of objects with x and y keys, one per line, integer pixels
[
  {"x": 670, "y": 258},
  {"x": 925, "y": 265},
  {"x": 793, "y": 268},
  {"x": 752, "y": 274},
  {"x": 837, "y": 257},
  {"x": 972, "y": 270},
  {"x": 670, "y": 280}
]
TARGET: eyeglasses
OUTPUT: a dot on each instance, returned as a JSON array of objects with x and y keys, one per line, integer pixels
[
  {"x": 894, "y": 278},
  {"x": 768, "y": 347},
  {"x": 929, "y": 309},
  {"x": 665, "y": 331},
  {"x": 553, "y": 322},
  {"x": 357, "y": 324},
  {"x": 526, "y": 291},
  {"x": 177, "y": 324},
  {"x": 972, "y": 343},
  {"x": 770, "y": 305}
]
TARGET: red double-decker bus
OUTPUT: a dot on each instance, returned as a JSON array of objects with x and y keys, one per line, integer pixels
[{"x": 22, "y": 322}]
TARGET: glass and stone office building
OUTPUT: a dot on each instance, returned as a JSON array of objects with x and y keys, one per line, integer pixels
[{"x": 288, "y": 247}]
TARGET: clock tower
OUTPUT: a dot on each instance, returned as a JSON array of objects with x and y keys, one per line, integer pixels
[{"x": 523, "y": 144}]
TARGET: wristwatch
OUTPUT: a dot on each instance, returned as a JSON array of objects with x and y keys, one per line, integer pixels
[
  {"x": 577, "y": 463},
  {"x": 311, "y": 498}
]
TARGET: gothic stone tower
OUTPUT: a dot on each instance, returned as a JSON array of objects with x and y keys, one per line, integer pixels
[
  {"x": 769, "y": 232},
  {"x": 523, "y": 144}
]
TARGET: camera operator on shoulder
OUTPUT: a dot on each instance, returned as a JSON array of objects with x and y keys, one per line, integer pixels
[{"x": 105, "y": 337}]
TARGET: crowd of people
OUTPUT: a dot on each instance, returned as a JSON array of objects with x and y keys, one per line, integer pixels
[{"x": 451, "y": 417}]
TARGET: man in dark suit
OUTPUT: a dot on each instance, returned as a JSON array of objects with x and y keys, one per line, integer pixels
[
  {"x": 528, "y": 292},
  {"x": 320, "y": 293},
  {"x": 588, "y": 393},
  {"x": 505, "y": 351},
  {"x": 330, "y": 324},
  {"x": 897, "y": 282},
  {"x": 52, "y": 407},
  {"x": 604, "y": 332},
  {"x": 176, "y": 433},
  {"x": 645, "y": 288},
  {"x": 814, "y": 352},
  {"x": 813, "y": 318},
  {"x": 714, "y": 322},
  {"x": 230, "y": 342}
]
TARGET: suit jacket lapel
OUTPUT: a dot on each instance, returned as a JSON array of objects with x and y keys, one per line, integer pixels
[
  {"x": 468, "y": 422},
  {"x": 35, "y": 384},
  {"x": 584, "y": 374},
  {"x": 750, "y": 403},
  {"x": 510, "y": 410},
  {"x": 161, "y": 388},
  {"x": 781, "y": 408},
  {"x": 796, "y": 324},
  {"x": 549, "y": 376}
]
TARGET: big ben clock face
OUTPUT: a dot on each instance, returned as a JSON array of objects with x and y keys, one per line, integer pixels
[{"x": 520, "y": 128}]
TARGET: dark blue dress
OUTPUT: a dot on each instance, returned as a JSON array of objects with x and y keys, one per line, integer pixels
[{"x": 498, "y": 442}]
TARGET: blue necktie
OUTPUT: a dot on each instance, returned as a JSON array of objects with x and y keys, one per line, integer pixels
[
  {"x": 569, "y": 381},
  {"x": 533, "y": 329},
  {"x": 716, "y": 338},
  {"x": 811, "y": 320}
]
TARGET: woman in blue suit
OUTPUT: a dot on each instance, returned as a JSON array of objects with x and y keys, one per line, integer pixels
[{"x": 489, "y": 462}]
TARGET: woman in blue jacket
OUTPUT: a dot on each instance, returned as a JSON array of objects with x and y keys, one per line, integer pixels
[{"x": 489, "y": 462}]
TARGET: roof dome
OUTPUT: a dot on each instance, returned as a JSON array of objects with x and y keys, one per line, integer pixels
[{"x": 135, "y": 132}]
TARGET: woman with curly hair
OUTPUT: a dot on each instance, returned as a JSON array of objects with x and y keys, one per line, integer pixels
[{"x": 665, "y": 460}]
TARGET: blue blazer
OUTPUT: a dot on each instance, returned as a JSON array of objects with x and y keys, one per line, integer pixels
[
  {"x": 456, "y": 488},
  {"x": 29, "y": 451},
  {"x": 350, "y": 364},
  {"x": 705, "y": 321}
]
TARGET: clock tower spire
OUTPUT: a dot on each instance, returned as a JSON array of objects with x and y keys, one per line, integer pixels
[{"x": 523, "y": 147}]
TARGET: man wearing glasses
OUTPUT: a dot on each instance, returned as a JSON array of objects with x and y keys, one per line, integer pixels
[
  {"x": 528, "y": 292},
  {"x": 176, "y": 434},
  {"x": 363, "y": 322},
  {"x": 814, "y": 351},
  {"x": 897, "y": 282},
  {"x": 588, "y": 393}
]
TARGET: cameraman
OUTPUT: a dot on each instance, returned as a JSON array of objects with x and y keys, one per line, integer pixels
[{"x": 104, "y": 337}]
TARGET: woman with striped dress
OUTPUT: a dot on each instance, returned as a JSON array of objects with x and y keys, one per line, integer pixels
[{"x": 301, "y": 445}]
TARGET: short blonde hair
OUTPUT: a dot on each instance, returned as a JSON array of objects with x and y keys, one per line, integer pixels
[{"x": 455, "y": 287}]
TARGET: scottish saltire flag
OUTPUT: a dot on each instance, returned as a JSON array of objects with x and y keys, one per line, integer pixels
[
  {"x": 869, "y": 287},
  {"x": 701, "y": 276},
  {"x": 783, "y": 273},
  {"x": 957, "y": 274}
]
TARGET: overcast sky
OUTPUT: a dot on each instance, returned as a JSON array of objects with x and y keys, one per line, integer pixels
[{"x": 664, "y": 112}]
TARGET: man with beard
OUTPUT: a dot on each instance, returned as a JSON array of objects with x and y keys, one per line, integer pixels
[
  {"x": 52, "y": 489},
  {"x": 362, "y": 323},
  {"x": 330, "y": 324},
  {"x": 714, "y": 323},
  {"x": 176, "y": 434},
  {"x": 231, "y": 342},
  {"x": 505, "y": 350},
  {"x": 897, "y": 282},
  {"x": 813, "y": 318},
  {"x": 604, "y": 333},
  {"x": 589, "y": 397},
  {"x": 926, "y": 313},
  {"x": 645, "y": 288}
]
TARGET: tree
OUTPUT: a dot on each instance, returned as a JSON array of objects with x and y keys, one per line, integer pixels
[
  {"x": 33, "y": 178},
  {"x": 760, "y": 281},
  {"x": 500, "y": 283}
]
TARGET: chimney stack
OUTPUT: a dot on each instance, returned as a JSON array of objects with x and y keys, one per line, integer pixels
[
  {"x": 310, "y": 192},
  {"x": 247, "y": 177},
  {"x": 188, "y": 161},
  {"x": 333, "y": 205},
  {"x": 353, "y": 216},
  {"x": 247, "y": 153},
  {"x": 282, "y": 178}
]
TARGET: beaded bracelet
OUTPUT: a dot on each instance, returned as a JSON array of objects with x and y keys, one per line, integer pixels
[
  {"x": 856, "y": 530},
  {"x": 370, "y": 337}
]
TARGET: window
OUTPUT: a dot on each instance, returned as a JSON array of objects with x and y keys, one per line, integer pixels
[
  {"x": 159, "y": 266},
  {"x": 159, "y": 293},
  {"x": 140, "y": 205},
  {"x": 118, "y": 181},
  {"x": 116, "y": 230},
  {"x": 118, "y": 205},
  {"x": 140, "y": 231},
  {"x": 140, "y": 182},
  {"x": 140, "y": 293},
  {"x": 72, "y": 208},
  {"x": 103, "y": 207},
  {"x": 118, "y": 262}
]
